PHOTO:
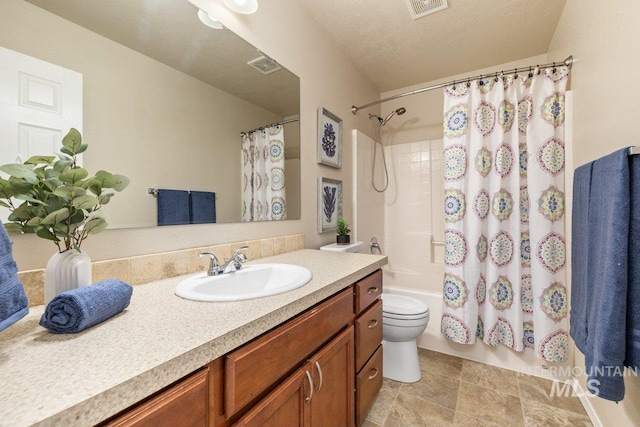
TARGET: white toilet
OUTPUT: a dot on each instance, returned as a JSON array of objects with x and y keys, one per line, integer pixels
[{"x": 403, "y": 320}]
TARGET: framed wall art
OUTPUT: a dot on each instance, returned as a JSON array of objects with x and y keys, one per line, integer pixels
[
  {"x": 329, "y": 204},
  {"x": 329, "y": 139}
]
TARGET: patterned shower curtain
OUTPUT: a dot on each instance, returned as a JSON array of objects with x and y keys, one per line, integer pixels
[
  {"x": 505, "y": 250},
  {"x": 263, "y": 189}
]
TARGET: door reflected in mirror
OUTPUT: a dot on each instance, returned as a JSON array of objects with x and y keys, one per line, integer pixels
[{"x": 165, "y": 98}]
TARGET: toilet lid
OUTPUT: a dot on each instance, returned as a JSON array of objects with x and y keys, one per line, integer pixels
[{"x": 400, "y": 304}]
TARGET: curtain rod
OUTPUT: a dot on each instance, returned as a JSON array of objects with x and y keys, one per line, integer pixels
[
  {"x": 568, "y": 62},
  {"x": 281, "y": 122}
]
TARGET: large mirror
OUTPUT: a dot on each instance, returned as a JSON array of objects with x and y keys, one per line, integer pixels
[{"x": 164, "y": 97}]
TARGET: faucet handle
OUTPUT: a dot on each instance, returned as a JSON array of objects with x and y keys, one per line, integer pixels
[
  {"x": 237, "y": 253},
  {"x": 214, "y": 264}
]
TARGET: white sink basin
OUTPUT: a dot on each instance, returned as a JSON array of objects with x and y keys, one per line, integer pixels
[{"x": 252, "y": 281}]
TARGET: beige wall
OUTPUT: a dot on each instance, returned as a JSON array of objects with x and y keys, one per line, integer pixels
[
  {"x": 328, "y": 79},
  {"x": 604, "y": 41}
]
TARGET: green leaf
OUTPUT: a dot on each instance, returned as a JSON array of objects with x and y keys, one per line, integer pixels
[
  {"x": 69, "y": 193},
  {"x": 82, "y": 148},
  {"x": 35, "y": 160},
  {"x": 105, "y": 198},
  {"x": 96, "y": 225},
  {"x": 20, "y": 171},
  {"x": 121, "y": 182},
  {"x": 13, "y": 227},
  {"x": 72, "y": 141},
  {"x": 62, "y": 164},
  {"x": 56, "y": 217},
  {"x": 22, "y": 213},
  {"x": 28, "y": 198},
  {"x": 84, "y": 202},
  {"x": 77, "y": 218},
  {"x": 45, "y": 233},
  {"x": 4, "y": 204},
  {"x": 66, "y": 151},
  {"x": 106, "y": 179},
  {"x": 74, "y": 176},
  {"x": 34, "y": 221}
]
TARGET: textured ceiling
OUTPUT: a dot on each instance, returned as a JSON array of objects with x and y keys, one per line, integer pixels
[
  {"x": 396, "y": 51},
  {"x": 169, "y": 31}
]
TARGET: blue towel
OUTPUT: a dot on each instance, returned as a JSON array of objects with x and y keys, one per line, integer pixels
[
  {"x": 633, "y": 293},
  {"x": 173, "y": 207},
  {"x": 600, "y": 270},
  {"x": 78, "y": 309},
  {"x": 14, "y": 304},
  {"x": 202, "y": 207}
]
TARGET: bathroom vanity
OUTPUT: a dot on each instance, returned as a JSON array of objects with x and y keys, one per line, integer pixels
[{"x": 311, "y": 356}]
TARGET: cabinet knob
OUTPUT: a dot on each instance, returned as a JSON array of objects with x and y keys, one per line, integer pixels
[
  {"x": 372, "y": 290},
  {"x": 372, "y": 323}
]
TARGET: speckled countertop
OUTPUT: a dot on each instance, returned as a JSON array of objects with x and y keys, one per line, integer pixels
[{"x": 81, "y": 379}]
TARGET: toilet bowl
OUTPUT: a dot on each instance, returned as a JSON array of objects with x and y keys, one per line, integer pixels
[{"x": 403, "y": 320}]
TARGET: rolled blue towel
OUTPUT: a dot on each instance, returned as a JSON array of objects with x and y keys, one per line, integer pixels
[{"x": 78, "y": 309}]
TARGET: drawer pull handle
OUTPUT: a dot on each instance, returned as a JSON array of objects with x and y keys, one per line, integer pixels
[
  {"x": 372, "y": 323},
  {"x": 308, "y": 398},
  {"x": 320, "y": 375},
  {"x": 374, "y": 374},
  {"x": 372, "y": 290}
]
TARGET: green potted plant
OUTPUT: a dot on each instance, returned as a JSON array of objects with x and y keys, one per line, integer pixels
[
  {"x": 343, "y": 230},
  {"x": 57, "y": 200}
]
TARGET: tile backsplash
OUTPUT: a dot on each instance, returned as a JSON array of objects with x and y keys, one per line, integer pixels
[{"x": 147, "y": 268}]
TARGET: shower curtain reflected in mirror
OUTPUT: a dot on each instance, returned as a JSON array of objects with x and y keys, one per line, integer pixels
[
  {"x": 504, "y": 210},
  {"x": 263, "y": 177}
]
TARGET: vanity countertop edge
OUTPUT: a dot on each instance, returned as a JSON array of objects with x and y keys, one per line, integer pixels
[{"x": 82, "y": 379}]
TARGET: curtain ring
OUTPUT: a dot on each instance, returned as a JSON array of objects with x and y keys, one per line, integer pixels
[
  {"x": 468, "y": 83},
  {"x": 530, "y": 72},
  {"x": 537, "y": 70},
  {"x": 495, "y": 78},
  {"x": 515, "y": 73},
  {"x": 480, "y": 81},
  {"x": 553, "y": 70},
  {"x": 454, "y": 85}
]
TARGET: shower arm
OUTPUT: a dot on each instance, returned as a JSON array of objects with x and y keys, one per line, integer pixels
[{"x": 567, "y": 62}]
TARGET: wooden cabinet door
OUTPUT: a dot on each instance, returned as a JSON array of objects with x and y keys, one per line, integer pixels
[
  {"x": 183, "y": 404},
  {"x": 332, "y": 403},
  {"x": 286, "y": 406}
]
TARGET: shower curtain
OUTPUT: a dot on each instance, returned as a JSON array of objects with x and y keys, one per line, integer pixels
[
  {"x": 505, "y": 250},
  {"x": 263, "y": 178}
]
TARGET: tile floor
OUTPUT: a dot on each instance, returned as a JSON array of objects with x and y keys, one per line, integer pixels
[{"x": 463, "y": 393}]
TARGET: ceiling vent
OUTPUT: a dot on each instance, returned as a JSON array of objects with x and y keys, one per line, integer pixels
[
  {"x": 265, "y": 65},
  {"x": 420, "y": 8}
]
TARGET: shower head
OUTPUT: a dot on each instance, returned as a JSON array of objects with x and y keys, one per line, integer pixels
[{"x": 400, "y": 111}]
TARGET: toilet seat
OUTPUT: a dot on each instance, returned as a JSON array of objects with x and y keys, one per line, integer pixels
[{"x": 402, "y": 307}]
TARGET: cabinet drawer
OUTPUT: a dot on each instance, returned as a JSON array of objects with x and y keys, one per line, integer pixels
[
  {"x": 368, "y": 290},
  {"x": 368, "y": 333},
  {"x": 183, "y": 404},
  {"x": 253, "y": 368},
  {"x": 368, "y": 383}
]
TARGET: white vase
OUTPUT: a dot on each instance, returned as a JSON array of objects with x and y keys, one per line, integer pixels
[{"x": 65, "y": 271}]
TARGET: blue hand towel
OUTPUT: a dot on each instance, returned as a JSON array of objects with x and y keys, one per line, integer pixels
[
  {"x": 600, "y": 275},
  {"x": 78, "y": 309},
  {"x": 203, "y": 207},
  {"x": 14, "y": 304},
  {"x": 173, "y": 207}
]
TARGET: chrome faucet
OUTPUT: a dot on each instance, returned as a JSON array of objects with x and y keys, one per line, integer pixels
[
  {"x": 235, "y": 262},
  {"x": 214, "y": 266}
]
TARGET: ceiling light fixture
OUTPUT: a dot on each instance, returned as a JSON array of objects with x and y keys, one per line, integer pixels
[
  {"x": 246, "y": 7},
  {"x": 207, "y": 20}
]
